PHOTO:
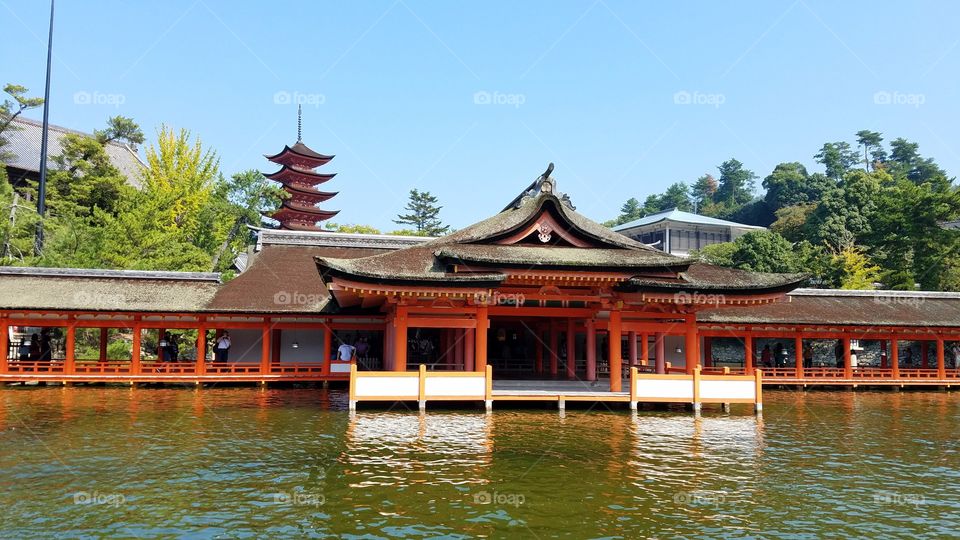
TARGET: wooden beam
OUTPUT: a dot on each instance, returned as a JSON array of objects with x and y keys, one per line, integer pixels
[
  {"x": 136, "y": 347},
  {"x": 692, "y": 345},
  {"x": 798, "y": 356},
  {"x": 103, "y": 344},
  {"x": 469, "y": 349},
  {"x": 748, "y": 353},
  {"x": 847, "y": 360},
  {"x": 894, "y": 358},
  {"x": 661, "y": 352},
  {"x": 69, "y": 360},
  {"x": 941, "y": 363},
  {"x": 201, "y": 350},
  {"x": 265, "y": 349}
]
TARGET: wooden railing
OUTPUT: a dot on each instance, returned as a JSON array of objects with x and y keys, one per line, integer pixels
[
  {"x": 35, "y": 366},
  {"x": 297, "y": 370},
  {"x": 231, "y": 368},
  {"x": 168, "y": 368},
  {"x": 109, "y": 367}
]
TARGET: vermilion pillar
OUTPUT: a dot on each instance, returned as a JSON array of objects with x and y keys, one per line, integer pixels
[
  {"x": 400, "y": 339},
  {"x": 201, "y": 350},
  {"x": 847, "y": 359},
  {"x": 748, "y": 353},
  {"x": 692, "y": 357},
  {"x": 661, "y": 352},
  {"x": 644, "y": 349},
  {"x": 616, "y": 372},
  {"x": 265, "y": 348},
  {"x": 634, "y": 352},
  {"x": 135, "y": 349},
  {"x": 69, "y": 361},
  {"x": 571, "y": 350},
  {"x": 327, "y": 342},
  {"x": 894, "y": 358},
  {"x": 591, "y": 350},
  {"x": 941, "y": 363},
  {"x": 798, "y": 355},
  {"x": 483, "y": 325},
  {"x": 4, "y": 345}
]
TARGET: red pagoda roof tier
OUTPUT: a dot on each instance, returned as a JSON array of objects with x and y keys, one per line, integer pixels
[
  {"x": 309, "y": 193},
  {"x": 299, "y": 155},
  {"x": 295, "y": 211},
  {"x": 288, "y": 175}
]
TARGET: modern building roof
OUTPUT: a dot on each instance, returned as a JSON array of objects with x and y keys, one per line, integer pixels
[
  {"x": 24, "y": 146},
  {"x": 679, "y": 216}
]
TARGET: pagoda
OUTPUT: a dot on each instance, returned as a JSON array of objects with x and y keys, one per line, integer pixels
[{"x": 299, "y": 212}]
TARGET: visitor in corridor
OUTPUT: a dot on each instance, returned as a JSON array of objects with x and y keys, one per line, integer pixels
[
  {"x": 35, "y": 346},
  {"x": 363, "y": 348},
  {"x": 169, "y": 348},
  {"x": 780, "y": 355},
  {"x": 46, "y": 349},
  {"x": 766, "y": 356},
  {"x": 222, "y": 350},
  {"x": 807, "y": 356},
  {"x": 24, "y": 351},
  {"x": 345, "y": 352}
]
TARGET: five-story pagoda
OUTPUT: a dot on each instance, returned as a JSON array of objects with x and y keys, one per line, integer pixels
[{"x": 299, "y": 179}]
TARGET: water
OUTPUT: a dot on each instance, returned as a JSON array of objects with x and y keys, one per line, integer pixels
[{"x": 243, "y": 462}]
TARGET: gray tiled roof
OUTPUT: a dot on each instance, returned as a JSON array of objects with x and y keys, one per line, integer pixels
[{"x": 24, "y": 145}]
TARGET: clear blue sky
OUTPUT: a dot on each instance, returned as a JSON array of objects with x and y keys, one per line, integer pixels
[{"x": 589, "y": 85}]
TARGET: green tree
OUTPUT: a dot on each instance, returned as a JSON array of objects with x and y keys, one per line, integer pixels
[
  {"x": 120, "y": 128},
  {"x": 791, "y": 221},
  {"x": 838, "y": 158},
  {"x": 764, "y": 251},
  {"x": 424, "y": 214},
  {"x": 736, "y": 184},
  {"x": 703, "y": 192},
  {"x": 630, "y": 211},
  {"x": 855, "y": 269},
  {"x": 846, "y": 213},
  {"x": 789, "y": 185},
  {"x": 870, "y": 141},
  {"x": 720, "y": 254},
  {"x": 676, "y": 196},
  {"x": 9, "y": 110},
  {"x": 236, "y": 203},
  {"x": 351, "y": 228}
]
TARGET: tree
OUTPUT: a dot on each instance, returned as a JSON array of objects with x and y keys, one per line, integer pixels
[
  {"x": 84, "y": 179},
  {"x": 703, "y": 191},
  {"x": 238, "y": 202},
  {"x": 869, "y": 140},
  {"x": 736, "y": 183},
  {"x": 676, "y": 196},
  {"x": 631, "y": 210},
  {"x": 764, "y": 251},
  {"x": 350, "y": 228},
  {"x": 855, "y": 269},
  {"x": 788, "y": 185},
  {"x": 120, "y": 128},
  {"x": 791, "y": 221},
  {"x": 9, "y": 110},
  {"x": 423, "y": 214},
  {"x": 838, "y": 158},
  {"x": 846, "y": 213},
  {"x": 720, "y": 254}
]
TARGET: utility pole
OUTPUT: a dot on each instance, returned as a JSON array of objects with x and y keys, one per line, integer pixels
[{"x": 42, "y": 191}]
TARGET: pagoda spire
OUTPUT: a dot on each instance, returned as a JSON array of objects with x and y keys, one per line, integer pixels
[{"x": 298, "y": 178}]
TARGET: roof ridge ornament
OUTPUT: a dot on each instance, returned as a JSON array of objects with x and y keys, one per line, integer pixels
[{"x": 544, "y": 184}]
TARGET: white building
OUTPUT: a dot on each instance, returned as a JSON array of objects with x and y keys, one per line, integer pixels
[{"x": 678, "y": 232}]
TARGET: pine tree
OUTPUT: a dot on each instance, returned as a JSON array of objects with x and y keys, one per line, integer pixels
[{"x": 423, "y": 214}]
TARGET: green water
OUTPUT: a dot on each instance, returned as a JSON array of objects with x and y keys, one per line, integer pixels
[{"x": 235, "y": 463}]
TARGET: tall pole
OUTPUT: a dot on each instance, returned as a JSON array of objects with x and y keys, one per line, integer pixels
[{"x": 42, "y": 191}]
